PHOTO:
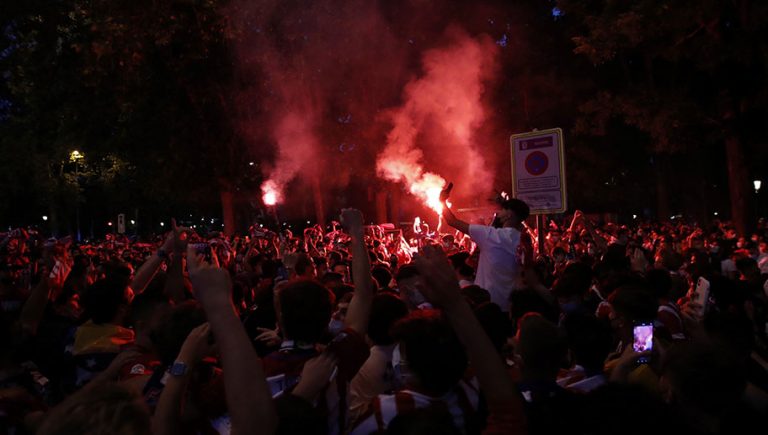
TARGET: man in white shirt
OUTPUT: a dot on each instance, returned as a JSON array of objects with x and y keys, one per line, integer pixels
[{"x": 499, "y": 268}]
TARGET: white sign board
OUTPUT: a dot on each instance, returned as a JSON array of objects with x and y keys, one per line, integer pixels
[
  {"x": 538, "y": 170},
  {"x": 121, "y": 223}
]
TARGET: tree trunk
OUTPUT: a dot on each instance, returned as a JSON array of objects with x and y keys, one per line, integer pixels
[
  {"x": 738, "y": 183},
  {"x": 227, "y": 210}
]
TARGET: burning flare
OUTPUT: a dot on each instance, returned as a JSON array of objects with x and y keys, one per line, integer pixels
[{"x": 271, "y": 194}]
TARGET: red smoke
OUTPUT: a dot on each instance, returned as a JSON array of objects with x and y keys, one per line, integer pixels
[{"x": 442, "y": 110}]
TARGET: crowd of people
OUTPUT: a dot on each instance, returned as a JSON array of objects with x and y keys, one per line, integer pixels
[{"x": 657, "y": 327}]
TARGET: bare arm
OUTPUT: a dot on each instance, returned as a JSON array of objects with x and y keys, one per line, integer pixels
[
  {"x": 453, "y": 221},
  {"x": 360, "y": 307},
  {"x": 443, "y": 290},
  {"x": 169, "y": 406},
  {"x": 248, "y": 397}
]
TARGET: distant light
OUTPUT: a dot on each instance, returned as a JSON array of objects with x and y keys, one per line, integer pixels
[
  {"x": 261, "y": 225},
  {"x": 133, "y": 222},
  {"x": 250, "y": 163},
  {"x": 109, "y": 224},
  {"x": 758, "y": 184},
  {"x": 284, "y": 224},
  {"x": 672, "y": 217},
  {"x": 202, "y": 219},
  {"x": 556, "y": 12},
  {"x": 45, "y": 218},
  {"x": 194, "y": 226},
  {"x": 211, "y": 220},
  {"x": 162, "y": 224},
  {"x": 715, "y": 213},
  {"x": 634, "y": 216},
  {"x": 308, "y": 222}
]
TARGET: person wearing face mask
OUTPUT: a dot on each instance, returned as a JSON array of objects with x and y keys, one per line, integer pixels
[{"x": 499, "y": 266}]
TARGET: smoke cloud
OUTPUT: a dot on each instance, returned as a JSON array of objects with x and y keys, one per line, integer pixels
[{"x": 442, "y": 111}]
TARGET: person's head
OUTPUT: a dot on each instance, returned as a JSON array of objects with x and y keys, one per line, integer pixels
[
  {"x": 495, "y": 323},
  {"x": 332, "y": 280},
  {"x": 342, "y": 268},
  {"x": 107, "y": 300},
  {"x": 304, "y": 309},
  {"x": 571, "y": 288},
  {"x": 513, "y": 212},
  {"x": 386, "y": 309},
  {"x": 321, "y": 265},
  {"x": 383, "y": 277},
  {"x": 475, "y": 295},
  {"x": 107, "y": 408},
  {"x": 179, "y": 321},
  {"x": 542, "y": 347},
  {"x": 702, "y": 376},
  {"x": 589, "y": 340},
  {"x": 304, "y": 267},
  {"x": 632, "y": 303},
  {"x": 148, "y": 313},
  {"x": 465, "y": 272},
  {"x": 409, "y": 284},
  {"x": 432, "y": 359}
]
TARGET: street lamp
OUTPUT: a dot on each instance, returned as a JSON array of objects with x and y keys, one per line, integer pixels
[
  {"x": 75, "y": 157},
  {"x": 757, "y": 184}
]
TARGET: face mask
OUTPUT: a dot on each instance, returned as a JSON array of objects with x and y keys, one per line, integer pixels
[{"x": 335, "y": 326}]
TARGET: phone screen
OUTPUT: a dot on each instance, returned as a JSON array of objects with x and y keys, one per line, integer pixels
[{"x": 643, "y": 334}]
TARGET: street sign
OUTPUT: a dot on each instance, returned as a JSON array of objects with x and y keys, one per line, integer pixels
[
  {"x": 121, "y": 223},
  {"x": 538, "y": 170}
]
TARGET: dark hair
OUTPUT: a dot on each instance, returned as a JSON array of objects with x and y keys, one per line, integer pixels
[
  {"x": 303, "y": 263},
  {"x": 660, "y": 282},
  {"x": 98, "y": 409},
  {"x": 102, "y": 300},
  {"x": 495, "y": 323},
  {"x": 589, "y": 339},
  {"x": 386, "y": 309},
  {"x": 520, "y": 208},
  {"x": 705, "y": 375},
  {"x": 182, "y": 319},
  {"x": 430, "y": 420},
  {"x": 541, "y": 344},
  {"x": 476, "y": 295},
  {"x": 458, "y": 259},
  {"x": 143, "y": 307},
  {"x": 406, "y": 271},
  {"x": 433, "y": 352},
  {"x": 305, "y": 310},
  {"x": 329, "y": 277},
  {"x": 634, "y": 303},
  {"x": 575, "y": 281},
  {"x": 466, "y": 270},
  {"x": 382, "y": 275}
]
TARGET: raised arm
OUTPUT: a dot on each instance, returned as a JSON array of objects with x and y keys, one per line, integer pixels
[
  {"x": 448, "y": 215},
  {"x": 248, "y": 397},
  {"x": 442, "y": 290},
  {"x": 360, "y": 307}
]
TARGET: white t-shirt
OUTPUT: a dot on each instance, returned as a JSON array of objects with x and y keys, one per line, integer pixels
[{"x": 498, "y": 270}]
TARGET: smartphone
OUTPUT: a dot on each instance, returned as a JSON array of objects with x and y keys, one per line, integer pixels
[
  {"x": 701, "y": 294},
  {"x": 643, "y": 339}
]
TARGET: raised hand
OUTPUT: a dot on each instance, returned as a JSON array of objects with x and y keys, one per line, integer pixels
[
  {"x": 441, "y": 287},
  {"x": 315, "y": 375},
  {"x": 446, "y": 192},
  {"x": 176, "y": 240},
  {"x": 352, "y": 219},
  {"x": 211, "y": 285},
  {"x": 198, "y": 345}
]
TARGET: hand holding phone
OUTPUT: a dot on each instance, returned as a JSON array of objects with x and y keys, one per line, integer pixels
[{"x": 643, "y": 340}]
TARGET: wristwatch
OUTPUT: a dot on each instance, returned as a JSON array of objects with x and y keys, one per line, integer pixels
[{"x": 178, "y": 369}]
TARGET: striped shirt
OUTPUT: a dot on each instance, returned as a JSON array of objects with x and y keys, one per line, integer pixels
[{"x": 462, "y": 403}]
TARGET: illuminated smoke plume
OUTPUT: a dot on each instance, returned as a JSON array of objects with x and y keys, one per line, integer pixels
[{"x": 441, "y": 113}]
